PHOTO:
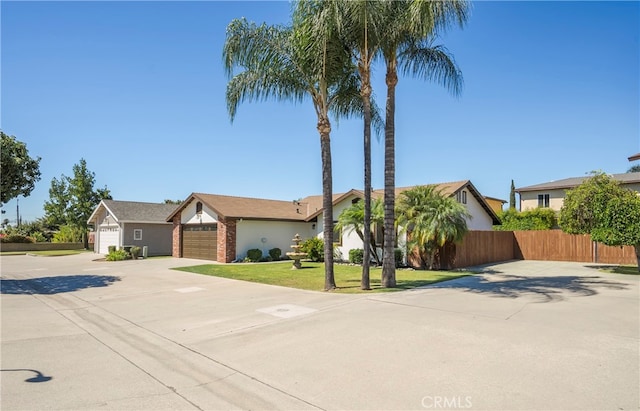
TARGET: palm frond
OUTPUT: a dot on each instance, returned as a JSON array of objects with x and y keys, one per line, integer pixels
[{"x": 431, "y": 62}]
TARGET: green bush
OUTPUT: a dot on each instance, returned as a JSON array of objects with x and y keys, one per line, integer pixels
[
  {"x": 111, "y": 249},
  {"x": 356, "y": 256},
  {"x": 117, "y": 255},
  {"x": 68, "y": 234},
  {"x": 17, "y": 238},
  {"x": 275, "y": 254},
  {"x": 254, "y": 255},
  {"x": 135, "y": 252},
  {"x": 314, "y": 247},
  {"x": 534, "y": 219}
]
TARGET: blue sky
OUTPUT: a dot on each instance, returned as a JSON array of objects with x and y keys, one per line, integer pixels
[{"x": 138, "y": 90}]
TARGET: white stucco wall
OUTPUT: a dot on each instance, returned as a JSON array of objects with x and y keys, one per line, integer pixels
[
  {"x": 266, "y": 235},
  {"x": 189, "y": 215},
  {"x": 480, "y": 220}
]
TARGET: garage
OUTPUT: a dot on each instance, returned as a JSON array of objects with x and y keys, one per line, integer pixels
[
  {"x": 200, "y": 241},
  {"x": 108, "y": 236}
]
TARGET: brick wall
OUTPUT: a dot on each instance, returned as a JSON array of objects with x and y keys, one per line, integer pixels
[
  {"x": 226, "y": 240},
  {"x": 176, "y": 248}
]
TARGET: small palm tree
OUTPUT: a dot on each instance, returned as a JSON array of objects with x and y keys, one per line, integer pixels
[
  {"x": 431, "y": 220},
  {"x": 291, "y": 64},
  {"x": 352, "y": 219}
]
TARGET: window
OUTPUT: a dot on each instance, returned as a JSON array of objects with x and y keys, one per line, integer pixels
[
  {"x": 337, "y": 235},
  {"x": 137, "y": 234},
  {"x": 543, "y": 200},
  {"x": 461, "y": 197},
  {"x": 379, "y": 234},
  {"x": 198, "y": 207}
]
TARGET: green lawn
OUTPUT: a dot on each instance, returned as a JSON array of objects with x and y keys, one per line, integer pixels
[
  {"x": 623, "y": 269},
  {"x": 311, "y": 276}
]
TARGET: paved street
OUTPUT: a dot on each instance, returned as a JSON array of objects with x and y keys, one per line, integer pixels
[{"x": 79, "y": 334}]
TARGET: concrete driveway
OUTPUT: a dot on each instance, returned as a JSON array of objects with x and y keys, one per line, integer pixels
[{"x": 136, "y": 335}]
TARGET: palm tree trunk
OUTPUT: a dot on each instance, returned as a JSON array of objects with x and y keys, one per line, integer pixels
[
  {"x": 365, "y": 75},
  {"x": 324, "y": 128},
  {"x": 388, "y": 256}
]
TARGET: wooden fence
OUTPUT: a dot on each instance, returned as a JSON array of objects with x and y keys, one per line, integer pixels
[{"x": 484, "y": 247}]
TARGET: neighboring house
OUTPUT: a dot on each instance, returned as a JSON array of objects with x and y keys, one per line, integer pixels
[
  {"x": 224, "y": 228},
  {"x": 552, "y": 194},
  {"x": 131, "y": 223},
  {"x": 495, "y": 203}
]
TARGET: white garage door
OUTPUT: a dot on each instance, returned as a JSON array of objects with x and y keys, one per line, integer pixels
[{"x": 108, "y": 236}]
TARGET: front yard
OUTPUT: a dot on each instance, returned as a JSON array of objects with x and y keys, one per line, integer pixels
[{"x": 311, "y": 276}]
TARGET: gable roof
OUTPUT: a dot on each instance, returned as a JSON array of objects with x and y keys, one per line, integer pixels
[
  {"x": 451, "y": 188},
  {"x": 624, "y": 178},
  {"x": 135, "y": 211},
  {"x": 246, "y": 207}
]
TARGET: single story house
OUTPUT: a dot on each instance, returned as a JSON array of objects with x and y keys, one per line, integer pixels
[
  {"x": 131, "y": 223},
  {"x": 223, "y": 228},
  {"x": 551, "y": 194}
]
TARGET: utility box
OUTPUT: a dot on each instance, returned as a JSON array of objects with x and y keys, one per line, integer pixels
[{"x": 145, "y": 251}]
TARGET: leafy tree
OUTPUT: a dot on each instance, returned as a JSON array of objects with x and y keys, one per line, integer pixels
[
  {"x": 169, "y": 201},
  {"x": 534, "y": 219},
  {"x": 20, "y": 172},
  {"x": 407, "y": 44},
  {"x": 73, "y": 199},
  {"x": 512, "y": 197},
  {"x": 352, "y": 219},
  {"x": 431, "y": 220},
  {"x": 294, "y": 63},
  {"x": 601, "y": 207},
  {"x": 634, "y": 169}
]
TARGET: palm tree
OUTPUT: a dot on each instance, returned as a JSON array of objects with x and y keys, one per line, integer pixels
[
  {"x": 352, "y": 219},
  {"x": 292, "y": 63},
  {"x": 407, "y": 44},
  {"x": 357, "y": 23},
  {"x": 359, "y": 31},
  {"x": 431, "y": 220}
]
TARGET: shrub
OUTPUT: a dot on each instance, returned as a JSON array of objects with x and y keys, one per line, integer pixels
[
  {"x": 117, "y": 255},
  {"x": 265, "y": 259},
  {"x": 534, "y": 219},
  {"x": 17, "y": 238},
  {"x": 68, "y": 234},
  {"x": 135, "y": 252},
  {"x": 111, "y": 249},
  {"x": 314, "y": 247},
  {"x": 254, "y": 255},
  {"x": 398, "y": 256},
  {"x": 275, "y": 253},
  {"x": 356, "y": 256}
]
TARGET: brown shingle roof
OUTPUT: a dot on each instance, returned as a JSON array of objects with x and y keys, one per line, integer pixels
[
  {"x": 624, "y": 178},
  {"x": 306, "y": 209},
  {"x": 249, "y": 208}
]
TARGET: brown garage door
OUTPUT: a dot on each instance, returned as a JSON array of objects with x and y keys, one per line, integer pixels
[{"x": 200, "y": 241}]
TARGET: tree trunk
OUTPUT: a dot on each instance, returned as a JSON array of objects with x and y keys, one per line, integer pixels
[
  {"x": 324, "y": 128},
  {"x": 388, "y": 256},
  {"x": 365, "y": 75},
  {"x": 637, "y": 248}
]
